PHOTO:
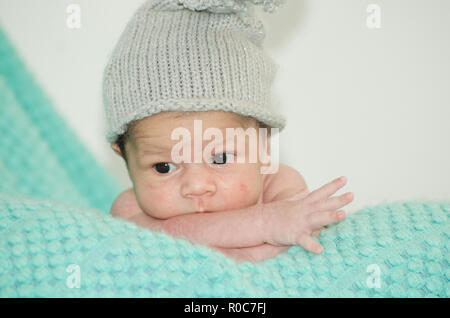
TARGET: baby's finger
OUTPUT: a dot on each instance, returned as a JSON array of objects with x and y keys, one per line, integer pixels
[
  {"x": 310, "y": 245},
  {"x": 326, "y": 190},
  {"x": 333, "y": 203},
  {"x": 321, "y": 219},
  {"x": 299, "y": 196}
]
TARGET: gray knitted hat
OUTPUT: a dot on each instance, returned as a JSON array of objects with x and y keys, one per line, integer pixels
[{"x": 190, "y": 55}]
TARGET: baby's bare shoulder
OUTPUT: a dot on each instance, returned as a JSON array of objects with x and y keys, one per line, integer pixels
[
  {"x": 125, "y": 205},
  {"x": 283, "y": 184}
]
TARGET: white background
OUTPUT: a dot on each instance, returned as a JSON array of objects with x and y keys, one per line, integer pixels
[{"x": 370, "y": 104}]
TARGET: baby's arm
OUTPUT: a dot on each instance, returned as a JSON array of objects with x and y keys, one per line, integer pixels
[
  {"x": 234, "y": 228},
  {"x": 127, "y": 207},
  {"x": 254, "y": 253}
]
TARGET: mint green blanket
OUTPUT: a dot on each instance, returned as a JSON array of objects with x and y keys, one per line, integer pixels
[{"x": 58, "y": 240}]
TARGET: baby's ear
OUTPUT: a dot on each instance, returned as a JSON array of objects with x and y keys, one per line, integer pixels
[{"x": 116, "y": 149}]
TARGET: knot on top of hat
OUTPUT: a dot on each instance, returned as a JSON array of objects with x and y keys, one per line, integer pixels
[
  {"x": 238, "y": 7},
  {"x": 229, "y": 6}
]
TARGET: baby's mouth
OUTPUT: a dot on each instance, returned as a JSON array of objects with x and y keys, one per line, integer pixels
[{"x": 203, "y": 211}]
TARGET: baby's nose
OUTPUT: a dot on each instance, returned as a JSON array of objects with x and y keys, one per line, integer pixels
[{"x": 197, "y": 182}]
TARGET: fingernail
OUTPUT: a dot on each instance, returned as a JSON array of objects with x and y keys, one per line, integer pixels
[
  {"x": 343, "y": 179},
  {"x": 340, "y": 215}
]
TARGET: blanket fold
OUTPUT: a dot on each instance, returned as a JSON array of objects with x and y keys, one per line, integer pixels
[{"x": 400, "y": 249}]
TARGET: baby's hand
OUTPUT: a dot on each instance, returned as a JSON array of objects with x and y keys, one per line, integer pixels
[{"x": 293, "y": 221}]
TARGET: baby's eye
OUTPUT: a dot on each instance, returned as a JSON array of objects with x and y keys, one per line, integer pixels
[
  {"x": 163, "y": 167},
  {"x": 222, "y": 158}
]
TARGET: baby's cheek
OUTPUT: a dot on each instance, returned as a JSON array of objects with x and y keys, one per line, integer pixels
[
  {"x": 240, "y": 195},
  {"x": 243, "y": 189},
  {"x": 158, "y": 202}
]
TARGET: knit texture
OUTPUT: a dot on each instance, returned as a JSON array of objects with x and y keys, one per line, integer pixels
[
  {"x": 172, "y": 58},
  {"x": 53, "y": 196},
  {"x": 40, "y": 157},
  {"x": 40, "y": 242}
]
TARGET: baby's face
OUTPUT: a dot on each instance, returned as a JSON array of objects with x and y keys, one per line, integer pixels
[{"x": 165, "y": 189}]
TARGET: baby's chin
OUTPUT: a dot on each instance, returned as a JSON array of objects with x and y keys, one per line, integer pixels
[
  {"x": 167, "y": 214},
  {"x": 170, "y": 211}
]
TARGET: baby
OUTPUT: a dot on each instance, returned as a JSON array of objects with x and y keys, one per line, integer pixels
[
  {"x": 231, "y": 207},
  {"x": 179, "y": 63}
]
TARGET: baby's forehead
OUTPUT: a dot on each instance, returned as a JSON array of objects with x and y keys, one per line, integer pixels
[{"x": 162, "y": 134}]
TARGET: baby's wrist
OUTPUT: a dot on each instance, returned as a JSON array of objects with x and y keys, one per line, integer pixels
[
  {"x": 266, "y": 221},
  {"x": 276, "y": 222}
]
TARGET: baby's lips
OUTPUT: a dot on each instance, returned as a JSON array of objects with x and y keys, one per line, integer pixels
[{"x": 203, "y": 211}]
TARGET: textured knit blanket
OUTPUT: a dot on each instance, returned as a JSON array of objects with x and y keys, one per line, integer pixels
[{"x": 58, "y": 240}]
